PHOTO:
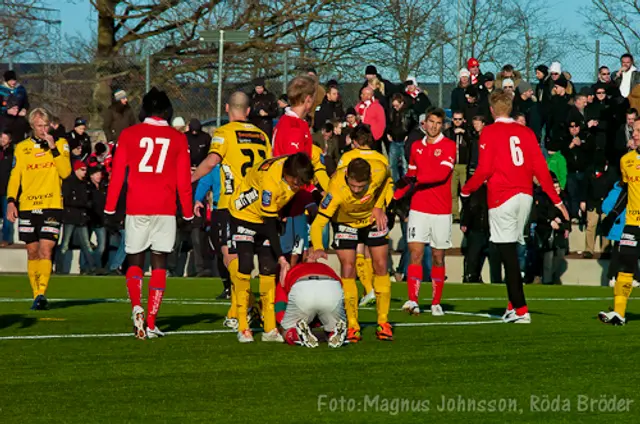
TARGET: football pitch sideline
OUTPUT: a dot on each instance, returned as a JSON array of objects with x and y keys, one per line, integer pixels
[{"x": 79, "y": 362}]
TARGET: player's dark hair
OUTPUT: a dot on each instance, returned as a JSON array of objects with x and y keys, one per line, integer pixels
[
  {"x": 299, "y": 166},
  {"x": 156, "y": 103},
  {"x": 437, "y": 112},
  {"x": 362, "y": 135},
  {"x": 359, "y": 170}
]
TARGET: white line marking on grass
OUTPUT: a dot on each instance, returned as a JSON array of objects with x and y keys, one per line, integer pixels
[
  {"x": 430, "y": 324},
  {"x": 543, "y": 299}
]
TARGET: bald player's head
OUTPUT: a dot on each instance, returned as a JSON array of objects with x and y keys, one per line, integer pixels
[{"x": 238, "y": 106}]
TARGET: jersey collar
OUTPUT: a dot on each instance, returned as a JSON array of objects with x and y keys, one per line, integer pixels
[
  {"x": 438, "y": 139},
  {"x": 505, "y": 120},
  {"x": 158, "y": 122},
  {"x": 289, "y": 112}
]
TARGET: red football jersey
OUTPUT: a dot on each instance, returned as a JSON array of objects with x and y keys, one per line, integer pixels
[
  {"x": 156, "y": 157},
  {"x": 432, "y": 165},
  {"x": 509, "y": 159},
  {"x": 291, "y": 135}
]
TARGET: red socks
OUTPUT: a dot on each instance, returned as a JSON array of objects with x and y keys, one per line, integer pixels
[
  {"x": 134, "y": 285},
  {"x": 437, "y": 278},
  {"x": 414, "y": 278},
  {"x": 291, "y": 336},
  {"x": 509, "y": 306},
  {"x": 523, "y": 310},
  {"x": 157, "y": 284}
]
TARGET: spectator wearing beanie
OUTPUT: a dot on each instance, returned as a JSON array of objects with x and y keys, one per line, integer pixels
[
  {"x": 101, "y": 157},
  {"x": 199, "y": 142},
  {"x": 578, "y": 151},
  {"x": 524, "y": 102},
  {"x": 600, "y": 180},
  {"x": 98, "y": 197},
  {"x": 558, "y": 110},
  {"x": 555, "y": 72},
  {"x": 371, "y": 74},
  {"x": 476, "y": 76},
  {"x": 416, "y": 99},
  {"x": 118, "y": 116},
  {"x": 458, "y": 95},
  {"x": 79, "y": 141},
  {"x": 263, "y": 107},
  {"x": 599, "y": 115},
  {"x": 12, "y": 89}
]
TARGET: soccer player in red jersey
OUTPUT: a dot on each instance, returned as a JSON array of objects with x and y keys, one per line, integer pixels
[
  {"x": 509, "y": 160},
  {"x": 310, "y": 291},
  {"x": 156, "y": 157},
  {"x": 431, "y": 166},
  {"x": 292, "y": 134}
]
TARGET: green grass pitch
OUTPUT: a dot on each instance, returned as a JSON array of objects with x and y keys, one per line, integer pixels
[{"x": 565, "y": 367}]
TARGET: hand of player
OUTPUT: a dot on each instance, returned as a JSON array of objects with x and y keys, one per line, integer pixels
[
  {"x": 50, "y": 141},
  {"x": 315, "y": 254},
  {"x": 565, "y": 212},
  {"x": 12, "y": 212},
  {"x": 381, "y": 219},
  {"x": 284, "y": 268},
  {"x": 555, "y": 225},
  {"x": 197, "y": 207}
]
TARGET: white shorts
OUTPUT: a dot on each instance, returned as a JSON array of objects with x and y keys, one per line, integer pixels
[
  {"x": 508, "y": 221},
  {"x": 142, "y": 232},
  {"x": 429, "y": 229},
  {"x": 323, "y": 298}
]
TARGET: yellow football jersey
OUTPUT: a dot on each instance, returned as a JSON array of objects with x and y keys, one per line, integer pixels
[
  {"x": 319, "y": 170},
  {"x": 262, "y": 193},
  {"x": 630, "y": 167},
  {"x": 369, "y": 155},
  {"x": 240, "y": 145},
  {"x": 37, "y": 174}
]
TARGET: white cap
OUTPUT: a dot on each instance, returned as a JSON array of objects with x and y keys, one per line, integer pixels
[
  {"x": 423, "y": 118},
  {"x": 509, "y": 82},
  {"x": 464, "y": 72},
  {"x": 178, "y": 121},
  {"x": 412, "y": 79},
  {"x": 555, "y": 68}
]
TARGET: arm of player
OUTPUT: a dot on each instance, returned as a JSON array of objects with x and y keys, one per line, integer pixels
[
  {"x": 118, "y": 172},
  {"x": 62, "y": 158},
  {"x": 319, "y": 170},
  {"x": 15, "y": 178},
  {"x": 328, "y": 208},
  {"x": 183, "y": 175},
  {"x": 484, "y": 169}
]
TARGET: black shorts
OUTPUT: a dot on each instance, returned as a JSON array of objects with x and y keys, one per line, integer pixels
[
  {"x": 220, "y": 228},
  {"x": 346, "y": 237},
  {"x": 249, "y": 239},
  {"x": 39, "y": 225},
  {"x": 629, "y": 241},
  {"x": 243, "y": 232}
]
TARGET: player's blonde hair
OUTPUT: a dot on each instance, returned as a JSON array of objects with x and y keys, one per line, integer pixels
[
  {"x": 501, "y": 103},
  {"x": 39, "y": 112},
  {"x": 300, "y": 88}
]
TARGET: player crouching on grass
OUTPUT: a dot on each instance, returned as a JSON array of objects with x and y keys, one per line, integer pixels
[
  {"x": 355, "y": 203},
  {"x": 157, "y": 160},
  {"x": 431, "y": 164},
  {"x": 628, "y": 253},
  {"x": 310, "y": 291}
]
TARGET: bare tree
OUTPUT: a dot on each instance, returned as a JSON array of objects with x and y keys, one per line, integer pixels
[
  {"x": 25, "y": 26},
  {"x": 616, "y": 21}
]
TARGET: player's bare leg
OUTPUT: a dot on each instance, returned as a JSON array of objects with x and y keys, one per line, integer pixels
[
  {"x": 382, "y": 287},
  {"x": 364, "y": 271},
  {"x": 414, "y": 278},
  {"x": 348, "y": 273},
  {"x": 134, "y": 278},
  {"x": 437, "y": 280}
]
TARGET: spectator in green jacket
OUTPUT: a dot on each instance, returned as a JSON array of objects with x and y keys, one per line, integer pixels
[{"x": 557, "y": 163}]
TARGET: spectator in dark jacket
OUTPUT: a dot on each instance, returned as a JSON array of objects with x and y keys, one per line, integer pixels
[
  {"x": 474, "y": 223},
  {"x": 329, "y": 141},
  {"x": 399, "y": 123},
  {"x": 525, "y": 103},
  {"x": 57, "y": 130},
  {"x": 77, "y": 205},
  {"x": 577, "y": 150},
  {"x": 459, "y": 133},
  {"x": 98, "y": 198},
  {"x": 118, "y": 116},
  {"x": 557, "y": 110},
  {"x": 416, "y": 99},
  {"x": 599, "y": 116},
  {"x": 13, "y": 122},
  {"x": 199, "y": 142},
  {"x": 458, "y": 95},
  {"x": 599, "y": 180},
  {"x": 79, "y": 141},
  {"x": 329, "y": 110},
  {"x": 264, "y": 108},
  {"x": 283, "y": 103},
  {"x": 6, "y": 164},
  {"x": 472, "y": 107},
  {"x": 624, "y": 136},
  {"x": 12, "y": 89},
  {"x": 416, "y": 134}
]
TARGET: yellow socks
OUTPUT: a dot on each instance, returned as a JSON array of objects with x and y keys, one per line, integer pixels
[
  {"x": 44, "y": 268},
  {"x": 621, "y": 292},
  {"x": 268, "y": 296},
  {"x": 242, "y": 288},
  {"x": 351, "y": 302},
  {"x": 382, "y": 284},
  {"x": 364, "y": 271},
  {"x": 233, "y": 276},
  {"x": 33, "y": 270}
]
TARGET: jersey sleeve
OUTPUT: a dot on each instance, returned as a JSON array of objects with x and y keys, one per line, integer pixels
[
  {"x": 183, "y": 175},
  {"x": 219, "y": 145},
  {"x": 16, "y": 176},
  {"x": 118, "y": 172},
  {"x": 269, "y": 192},
  {"x": 62, "y": 158},
  {"x": 320, "y": 171},
  {"x": 484, "y": 169},
  {"x": 625, "y": 175},
  {"x": 412, "y": 168}
]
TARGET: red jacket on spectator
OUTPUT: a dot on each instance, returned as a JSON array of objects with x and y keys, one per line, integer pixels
[{"x": 372, "y": 113}]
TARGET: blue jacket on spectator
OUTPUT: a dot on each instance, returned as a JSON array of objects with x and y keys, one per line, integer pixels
[
  {"x": 607, "y": 206},
  {"x": 210, "y": 182},
  {"x": 19, "y": 93}
]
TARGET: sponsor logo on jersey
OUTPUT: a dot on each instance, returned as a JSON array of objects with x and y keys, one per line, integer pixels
[
  {"x": 250, "y": 137},
  {"x": 24, "y": 222},
  {"x": 228, "y": 179},
  {"x": 296, "y": 145},
  {"x": 366, "y": 198},
  {"x": 242, "y": 237},
  {"x": 326, "y": 201},
  {"x": 266, "y": 198},
  {"x": 65, "y": 147},
  {"x": 419, "y": 151},
  {"x": 26, "y": 229},
  {"x": 40, "y": 154},
  {"x": 378, "y": 234},
  {"x": 50, "y": 230},
  {"x": 246, "y": 198},
  {"x": 345, "y": 236},
  {"x": 217, "y": 140},
  {"x": 627, "y": 236},
  {"x": 245, "y": 230},
  {"x": 37, "y": 166}
]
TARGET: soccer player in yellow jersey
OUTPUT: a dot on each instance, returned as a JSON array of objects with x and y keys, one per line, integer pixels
[
  {"x": 254, "y": 208},
  {"x": 237, "y": 147},
  {"x": 355, "y": 203},
  {"x": 34, "y": 197},
  {"x": 364, "y": 265},
  {"x": 629, "y": 250}
]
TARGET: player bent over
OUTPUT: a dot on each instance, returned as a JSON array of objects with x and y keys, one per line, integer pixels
[
  {"x": 40, "y": 164},
  {"x": 431, "y": 164},
  {"x": 309, "y": 291},
  {"x": 355, "y": 204},
  {"x": 629, "y": 253},
  {"x": 254, "y": 208},
  {"x": 156, "y": 157},
  {"x": 509, "y": 159}
]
